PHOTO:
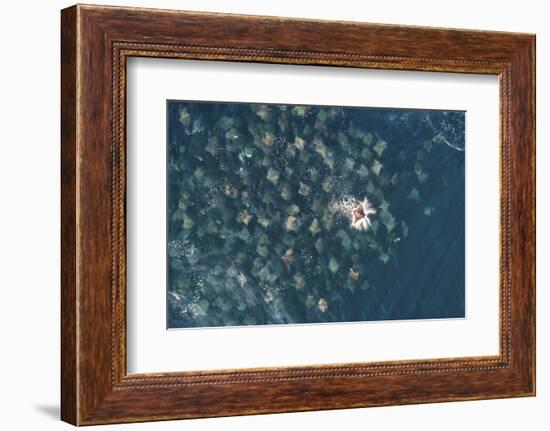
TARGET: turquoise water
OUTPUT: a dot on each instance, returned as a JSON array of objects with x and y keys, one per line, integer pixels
[{"x": 281, "y": 214}]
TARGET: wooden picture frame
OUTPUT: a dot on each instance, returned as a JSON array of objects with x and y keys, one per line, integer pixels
[{"x": 96, "y": 41}]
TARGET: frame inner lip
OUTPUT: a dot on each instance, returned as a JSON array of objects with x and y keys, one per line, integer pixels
[{"x": 127, "y": 49}]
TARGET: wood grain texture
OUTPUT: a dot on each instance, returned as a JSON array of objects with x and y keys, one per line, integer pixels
[
  {"x": 96, "y": 41},
  {"x": 69, "y": 397}
]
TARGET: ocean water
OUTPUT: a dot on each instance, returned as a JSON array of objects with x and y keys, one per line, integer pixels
[{"x": 285, "y": 214}]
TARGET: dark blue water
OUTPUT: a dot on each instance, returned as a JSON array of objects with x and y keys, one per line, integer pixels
[{"x": 268, "y": 222}]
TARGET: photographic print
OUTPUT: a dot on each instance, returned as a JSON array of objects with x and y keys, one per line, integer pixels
[{"x": 295, "y": 214}]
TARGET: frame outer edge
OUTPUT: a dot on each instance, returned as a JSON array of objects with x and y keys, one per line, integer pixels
[
  {"x": 532, "y": 101},
  {"x": 533, "y": 54},
  {"x": 523, "y": 217},
  {"x": 69, "y": 211}
]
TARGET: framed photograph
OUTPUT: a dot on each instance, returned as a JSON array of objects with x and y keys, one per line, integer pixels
[{"x": 264, "y": 214}]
